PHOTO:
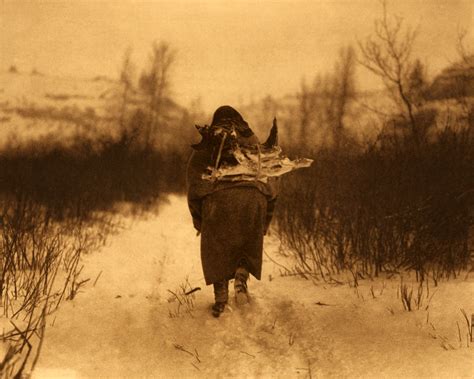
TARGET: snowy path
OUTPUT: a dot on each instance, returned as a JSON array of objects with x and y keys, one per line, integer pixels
[{"x": 122, "y": 327}]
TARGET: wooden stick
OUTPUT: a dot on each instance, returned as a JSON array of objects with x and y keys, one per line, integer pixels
[{"x": 221, "y": 147}]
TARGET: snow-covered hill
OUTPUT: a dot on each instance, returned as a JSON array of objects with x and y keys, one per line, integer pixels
[
  {"x": 35, "y": 106},
  {"x": 130, "y": 325},
  {"x": 62, "y": 108}
]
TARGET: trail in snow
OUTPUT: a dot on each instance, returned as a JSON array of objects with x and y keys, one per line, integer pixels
[{"x": 121, "y": 327}]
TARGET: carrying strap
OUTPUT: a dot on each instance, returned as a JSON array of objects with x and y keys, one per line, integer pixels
[{"x": 219, "y": 155}]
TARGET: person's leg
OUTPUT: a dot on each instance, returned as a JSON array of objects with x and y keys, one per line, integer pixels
[
  {"x": 240, "y": 283},
  {"x": 221, "y": 296}
]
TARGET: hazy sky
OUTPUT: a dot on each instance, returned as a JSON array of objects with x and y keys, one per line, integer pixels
[{"x": 227, "y": 51}]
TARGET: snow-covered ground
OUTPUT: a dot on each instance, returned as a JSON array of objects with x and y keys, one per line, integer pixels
[{"x": 128, "y": 326}]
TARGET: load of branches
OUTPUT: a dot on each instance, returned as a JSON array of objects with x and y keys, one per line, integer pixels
[{"x": 238, "y": 161}]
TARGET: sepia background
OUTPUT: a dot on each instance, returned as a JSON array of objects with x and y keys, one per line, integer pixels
[
  {"x": 227, "y": 52},
  {"x": 368, "y": 264}
]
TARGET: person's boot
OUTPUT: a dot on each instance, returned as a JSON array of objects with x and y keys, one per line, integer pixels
[
  {"x": 240, "y": 286},
  {"x": 221, "y": 296}
]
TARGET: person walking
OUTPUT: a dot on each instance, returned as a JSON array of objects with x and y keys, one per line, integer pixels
[{"x": 232, "y": 216}]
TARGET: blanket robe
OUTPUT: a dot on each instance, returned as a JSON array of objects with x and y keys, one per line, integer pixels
[{"x": 232, "y": 218}]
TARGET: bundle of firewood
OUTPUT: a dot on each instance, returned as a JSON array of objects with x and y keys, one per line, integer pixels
[{"x": 251, "y": 162}]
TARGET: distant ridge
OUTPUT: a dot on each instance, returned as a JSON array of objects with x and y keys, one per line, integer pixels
[{"x": 13, "y": 70}]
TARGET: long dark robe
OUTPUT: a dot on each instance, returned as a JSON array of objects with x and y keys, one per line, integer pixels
[
  {"x": 233, "y": 225},
  {"x": 232, "y": 217}
]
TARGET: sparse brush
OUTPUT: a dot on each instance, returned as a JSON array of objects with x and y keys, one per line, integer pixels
[
  {"x": 355, "y": 280},
  {"x": 372, "y": 292},
  {"x": 419, "y": 296},
  {"x": 459, "y": 334},
  {"x": 193, "y": 354},
  {"x": 386, "y": 207},
  {"x": 39, "y": 266},
  {"x": 411, "y": 302},
  {"x": 90, "y": 175},
  {"x": 406, "y": 297},
  {"x": 184, "y": 296},
  {"x": 59, "y": 196},
  {"x": 469, "y": 326}
]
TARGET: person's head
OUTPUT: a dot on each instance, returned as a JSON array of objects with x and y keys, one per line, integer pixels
[
  {"x": 225, "y": 120},
  {"x": 226, "y": 115}
]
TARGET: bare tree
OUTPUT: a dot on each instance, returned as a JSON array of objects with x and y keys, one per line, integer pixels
[
  {"x": 464, "y": 51},
  {"x": 306, "y": 105},
  {"x": 126, "y": 80},
  {"x": 322, "y": 106},
  {"x": 343, "y": 92},
  {"x": 155, "y": 83},
  {"x": 465, "y": 79},
  {"x": 417, "y": 83},
  {"x": 388, "y": 54}
]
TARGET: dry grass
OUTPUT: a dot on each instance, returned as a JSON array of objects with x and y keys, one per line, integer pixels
[
  {"x": 383, "y": 208},
  {"x": 183, "y": 299},
  {"x": 40, "y": 265}
]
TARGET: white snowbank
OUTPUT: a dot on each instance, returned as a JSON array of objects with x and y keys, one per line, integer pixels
[{"x": 121, "y": 327}]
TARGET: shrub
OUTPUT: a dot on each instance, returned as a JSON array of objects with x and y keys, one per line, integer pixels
[
  {"x": 391, "y": 206},
  {"x": 40, "y": 266}
]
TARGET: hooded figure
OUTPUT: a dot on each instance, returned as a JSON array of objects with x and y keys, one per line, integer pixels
[{"x": 232, "y": 216}]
